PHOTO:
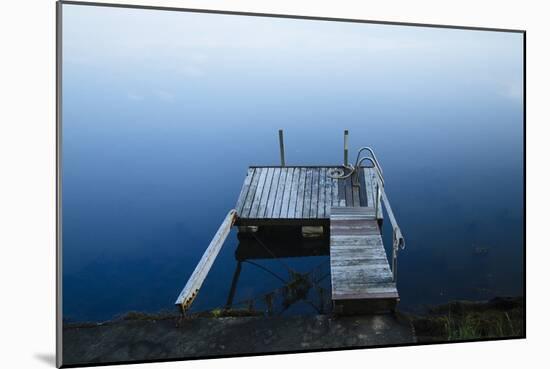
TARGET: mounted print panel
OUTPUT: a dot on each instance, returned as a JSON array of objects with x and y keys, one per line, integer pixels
[{"x": 238, "y": 184}]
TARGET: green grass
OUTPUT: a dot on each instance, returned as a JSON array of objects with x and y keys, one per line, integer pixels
[
  {"x": 483, "y": 325},
  {"x": 463, "y": 321}
]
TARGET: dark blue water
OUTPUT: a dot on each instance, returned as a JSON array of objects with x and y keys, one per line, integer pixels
[{"x": 163, "y": 112}]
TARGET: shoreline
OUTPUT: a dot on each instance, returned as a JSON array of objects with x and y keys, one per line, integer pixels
[{"x": 164, "y": 336}]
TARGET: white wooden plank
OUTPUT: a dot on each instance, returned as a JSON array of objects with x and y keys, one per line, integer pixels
[
  {"x": 328, "y": 193},
  {"x": 244, "y": 190},
  {"x": 307, "y": 193},
  {"x": 335, "y": 198},
  {"x": 194, "y": 283},
  {"x": 258, "y": 194},
  {"x": 276, "y": 210},
  {"x": 287, "y": 193},
  {"x": 265, "y": 193},
  {"x": 251, "y": 194},
  {"x": 314, "y": 193},
  {"x": 321, "y": 194},
  {"x": 300, "y": 194},
  {"x": 272, "y": 193},
  {"x": 294, "y": 193}
]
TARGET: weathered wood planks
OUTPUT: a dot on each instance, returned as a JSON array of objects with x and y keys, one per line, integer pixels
[
  {"x": 371, "y": 182},
  {"x": 272, "y": 194},
  {"x": 194, "y": 283},
  {"x": 360, "y": 274}
]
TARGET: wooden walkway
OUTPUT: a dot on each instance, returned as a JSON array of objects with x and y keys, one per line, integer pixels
[
  {"x": 301, "y": 195},
  {"x": 360, "y": 274}
]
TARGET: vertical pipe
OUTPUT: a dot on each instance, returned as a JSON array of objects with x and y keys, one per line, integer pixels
[
  {"x": 282, "y": 147},
  {"x": 346, "y": 147}
]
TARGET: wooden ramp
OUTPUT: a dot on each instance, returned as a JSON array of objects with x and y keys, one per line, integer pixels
[{"x": 361, "y": 277}]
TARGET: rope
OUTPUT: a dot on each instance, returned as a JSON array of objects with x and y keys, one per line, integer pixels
[{"x": 265, "y": 269}]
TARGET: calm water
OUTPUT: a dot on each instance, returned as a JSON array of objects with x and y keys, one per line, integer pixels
[{"x": 163, "y": 112}]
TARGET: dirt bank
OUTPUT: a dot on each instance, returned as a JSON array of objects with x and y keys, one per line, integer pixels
[
  {"x": 138, "y": 336},
  {"x": 145, "y": 339}
]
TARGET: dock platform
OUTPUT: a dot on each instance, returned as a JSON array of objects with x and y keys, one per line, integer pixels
[{"x": 300, "y": 195}]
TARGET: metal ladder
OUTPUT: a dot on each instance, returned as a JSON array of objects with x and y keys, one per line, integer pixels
[{"x": 398, "y": 239}]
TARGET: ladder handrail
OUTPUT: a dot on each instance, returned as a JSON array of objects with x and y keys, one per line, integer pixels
[
  {"x": 375, "y": 166},
  {"x": 397, "y": 236},
  {"x": 374, "y": 159}
]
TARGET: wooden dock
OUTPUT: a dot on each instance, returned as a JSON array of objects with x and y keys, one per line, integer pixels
[{"x": 343, "y": 202}]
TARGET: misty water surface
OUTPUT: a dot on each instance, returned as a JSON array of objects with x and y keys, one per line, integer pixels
[{"x": 164, "y": 111}]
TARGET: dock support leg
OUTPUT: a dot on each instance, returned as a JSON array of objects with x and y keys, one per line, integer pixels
[{"x": 233, "y": 288}]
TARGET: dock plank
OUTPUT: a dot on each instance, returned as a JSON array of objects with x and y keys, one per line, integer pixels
[
  {"x": 294, "y": 194},
  {"x": 362, "y": 192},
  {"x": 287, "y": 193},
  {"x": 314, "y": 192},
  {"x": 355, "y": 191},
  {"x": 265, "y": 193},
  {"x": 258, "y": 194},
  {"x": 335, "y": 193},
  {"x": 348, "y": 192},
  {"x": 328, "y": 194},
  {"x": 251, "y": 194},
  {"x": 244, "y": 190},
  {"x": 321, "y": 198},
  {"x": 341, "y": 192},
  {"x": 307, "y": 193},
  {"x": 300, "y": 199},
  {"x": 276, "y": 211},
  {"x": 272, "y": 193},
  {"x": 368, "y": 187}
]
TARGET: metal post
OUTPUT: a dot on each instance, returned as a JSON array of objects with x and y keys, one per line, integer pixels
[
  {"x": 346, "y": 147},
  {"x": 282, "y": 147}
]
